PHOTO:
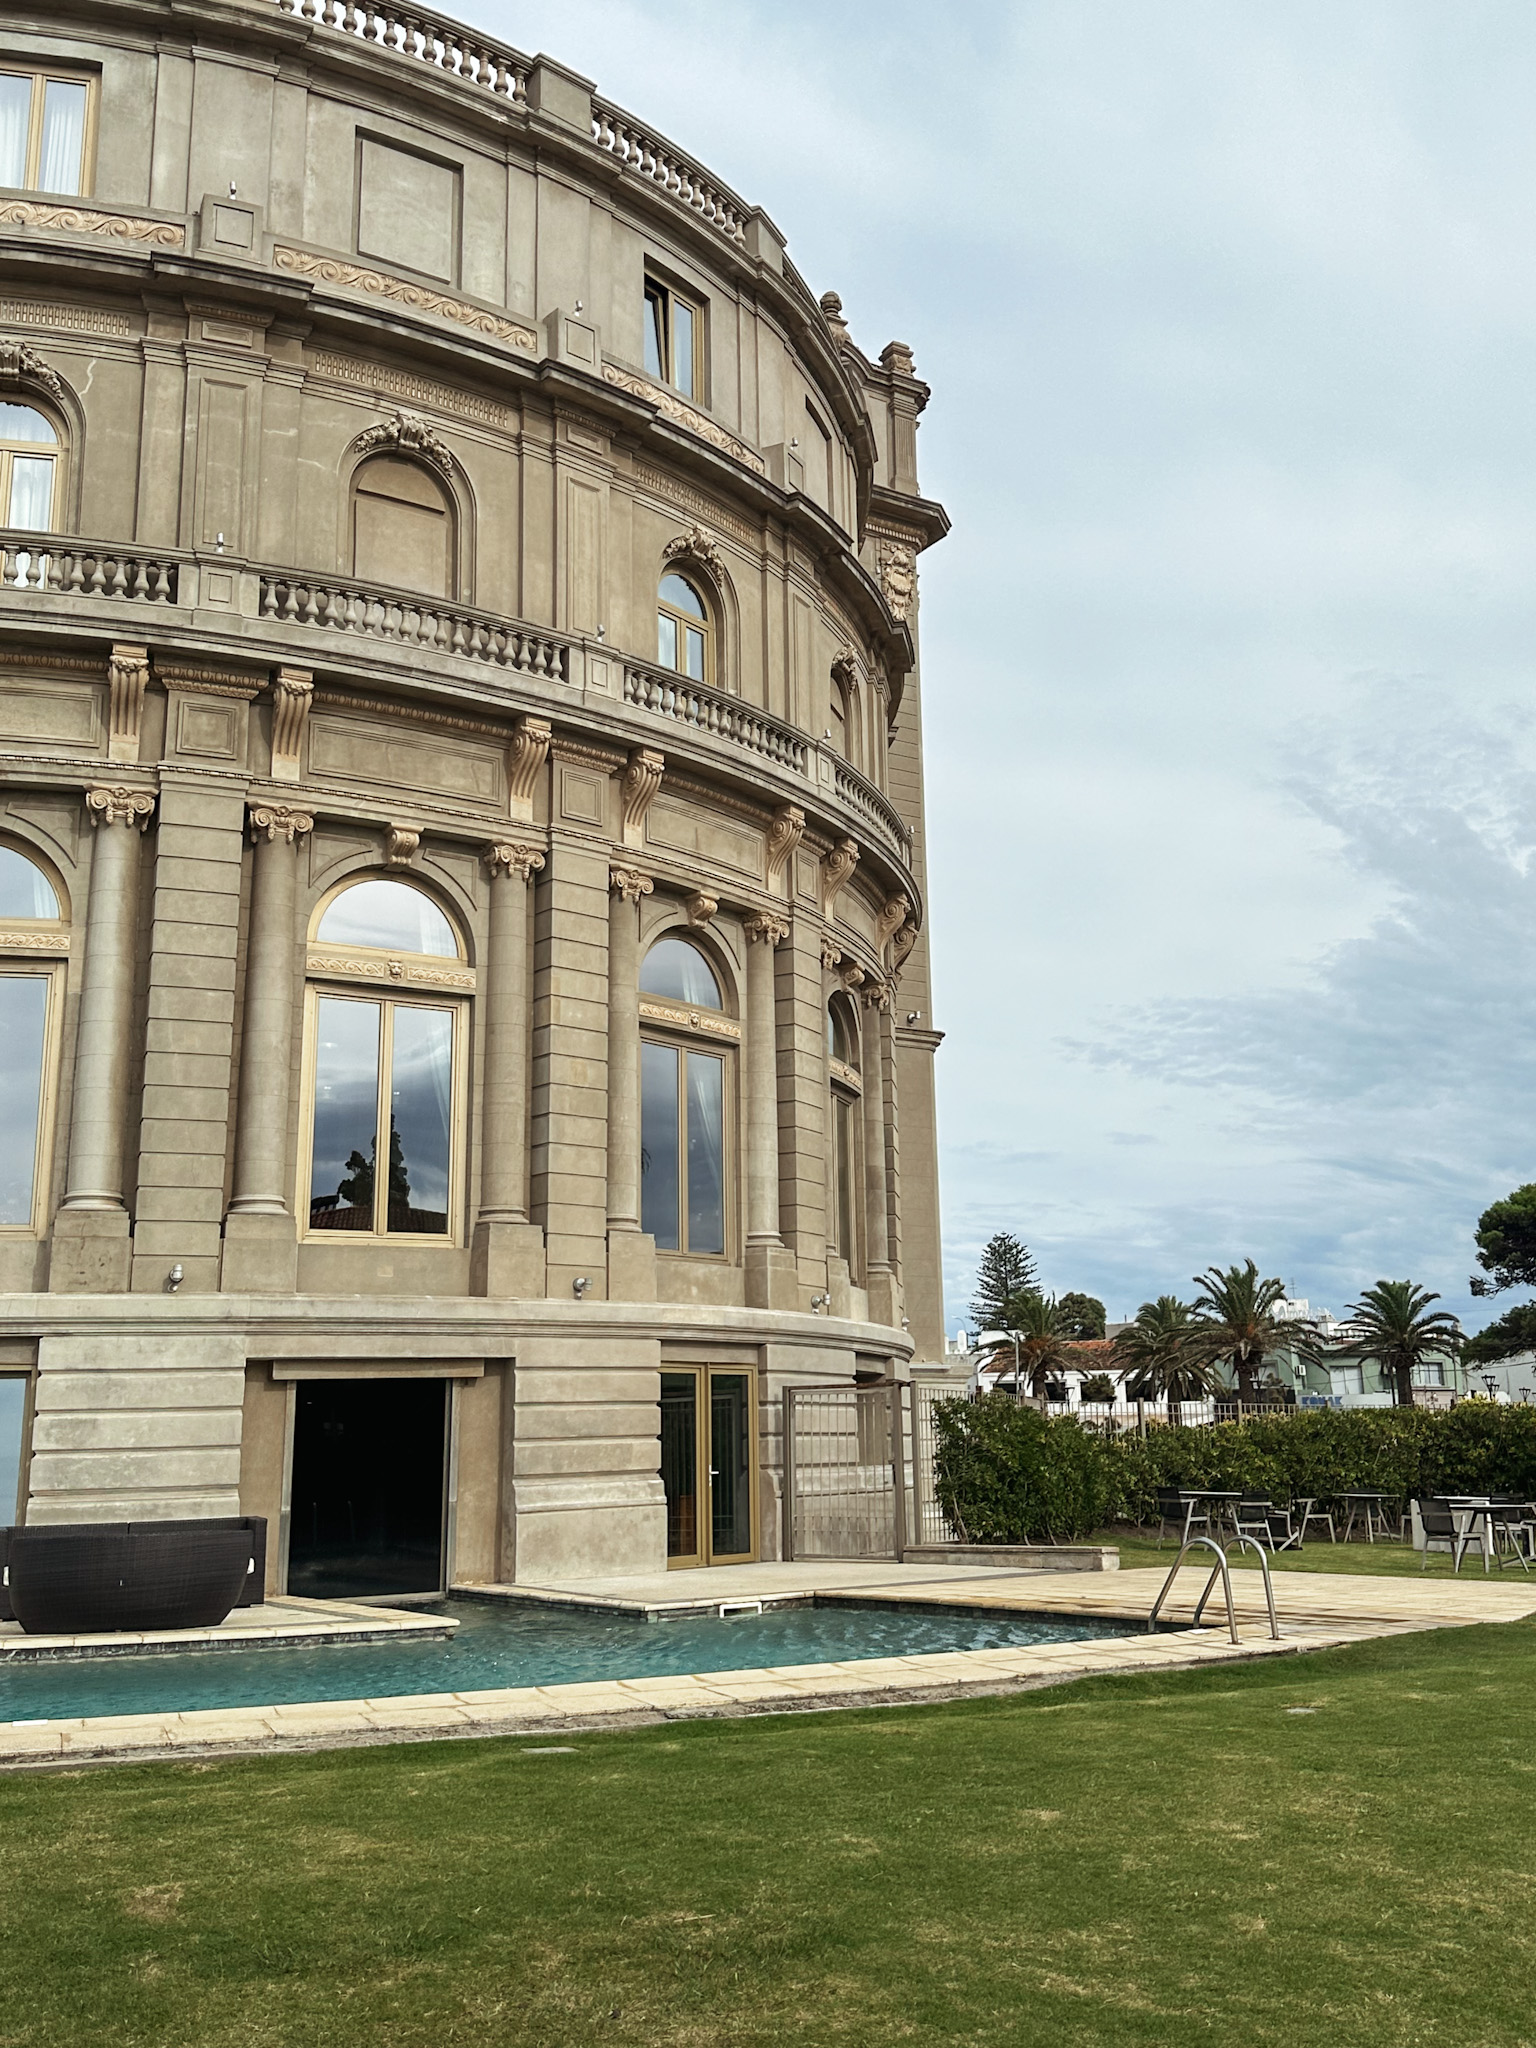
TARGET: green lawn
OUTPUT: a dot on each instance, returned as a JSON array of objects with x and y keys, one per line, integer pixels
[
  {"x": 1139, "y": 1547},
  {"x": 1330, "y": 1852}
]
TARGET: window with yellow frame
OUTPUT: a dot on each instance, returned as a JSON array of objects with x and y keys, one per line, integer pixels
[
  {"x": 385, "y": 1093},
  {"x": 47, "y": 131},
  {"x": 685, "y": 639},
  {"x": 34, "y": 944}
]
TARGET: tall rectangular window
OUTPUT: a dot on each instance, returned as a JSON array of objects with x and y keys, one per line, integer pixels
[
  {"x": 674, "y": 339},
  {"x": 383, "y": 1081},
  {"x": 24, "y": 1019},
  {"x": 682, "y": 1149},
  {"x": 44, "y": 132},
  {"x": 13, "y": 1419}
]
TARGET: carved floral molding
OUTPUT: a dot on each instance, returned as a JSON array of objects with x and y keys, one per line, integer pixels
[
  {"x": 378, "y": 284},
  {"x": 407, "y": 431},
  {"x": 672, "y": 406},
  {"x": 86, "y": 220},
  {"x": 21, "y": 364}
]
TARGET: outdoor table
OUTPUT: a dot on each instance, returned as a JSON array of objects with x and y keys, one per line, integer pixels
[
  {"x": 1221, "y": 1502},
  {"x": 1473, "y": 1519},
  {"x": 1370, "y": 1508}
]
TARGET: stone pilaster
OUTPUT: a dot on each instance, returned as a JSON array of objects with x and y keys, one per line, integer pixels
[
  {"x": 260, "y": 1232},
  {"x": 506, "y": 1250},
  {"x": 189, "y": 1036},
  {"x": 631, "y": 1251},
  {"x": 91, "y": 1247},
  {"x": 771, "y": 1280},
  {"x": 880, "y": 1276}
]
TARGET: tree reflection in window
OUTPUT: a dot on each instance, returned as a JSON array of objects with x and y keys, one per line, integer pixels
[{"x": 382, "y": 1067}]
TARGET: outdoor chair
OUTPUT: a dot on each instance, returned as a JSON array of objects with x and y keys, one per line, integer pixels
[
  {"x": 1311, "y": 1513},
  {"x": 1186, "y": 1511},
  {"x": 1513, "y": 1524},
  {"x": 1443, "y": 1530},
  {"x": 1267, "y": 1524}
]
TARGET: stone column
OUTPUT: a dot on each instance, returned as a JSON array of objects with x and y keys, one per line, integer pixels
[
  {"x": 631, "y": 1251},
  {"x": 266, "y": 1043},
  {"x": 506, "y": 1250},
  {"x": 771, "y": 1280},
  {"x": 260, "y": 1231},
  {"x": 90, "y": 1236},
  {"x": 884, "y": 1294}
]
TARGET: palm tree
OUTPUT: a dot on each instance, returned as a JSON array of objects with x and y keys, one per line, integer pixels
[
  {"x": 1400, "y": 1331},
  {"x": 1041, "y": 1345},
  {"x": 1238, "y": 1324},
  {"x": 1164, "y": 1355}
]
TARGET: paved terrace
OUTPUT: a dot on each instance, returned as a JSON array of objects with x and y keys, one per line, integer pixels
[{"x": 1316, "y": 1611}]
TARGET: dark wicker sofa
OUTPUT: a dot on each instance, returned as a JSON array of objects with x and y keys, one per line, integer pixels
[{"x": 89, "y": 1578}]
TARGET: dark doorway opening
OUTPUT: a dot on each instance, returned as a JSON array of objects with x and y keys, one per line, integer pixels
[{"x": 369, "y": 1467}]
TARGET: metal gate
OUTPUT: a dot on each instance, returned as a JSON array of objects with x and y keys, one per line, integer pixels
[{"x": 847, "y": 1479}]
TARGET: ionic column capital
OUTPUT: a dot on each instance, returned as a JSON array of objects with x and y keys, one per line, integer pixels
[
  {"x": 277, "y": 821},
  {"x": 119, "y": 806},
  {"x": 701, "y": 907},
  {"x": 511, "y": 857},
  {"x": 630, "y": 883},
  {"x": 767, "y": 926}
]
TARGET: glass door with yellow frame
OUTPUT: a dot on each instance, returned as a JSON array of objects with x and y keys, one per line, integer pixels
[{"x": 709, "y": 1464}]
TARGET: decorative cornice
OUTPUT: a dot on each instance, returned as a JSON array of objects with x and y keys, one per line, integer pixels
[
  {"x": 85, "y": 220},
  {"x": 67, "y": 319},
  {"x": 119, "y": 806},
  {"x": 527, "y": 751},
  {"x": 642, "y": 779},
  {"x": 511, "y": 857},
  {"x": 835, "y": 870},
  {"x": 672, "y": 406},
  {"x": 682, "y": 1019},
  {"x": 127, "y": 680},
  {"x": 378, "y": 284},
  {"x": 700, "y": 907},
  {"x": 34, "y": 942},
  {"x": 402, "y": 845},
  {"x": 21, "y": 364},
  {"x": 586, "y": 753},
  {"x": 695, "y": 546},
  {"x": 15, "y": 663},
  {"x": 276, "y": 821},
  {"x": 630, "y": 883},
  {"x": 372, "y": 968},
  {"x": 414, "y": 714},
  {"x": 408, "y": 433},
  {"x": 380, "y": 379},
  {"x": 767, "y": 926},
  {"x": 660, "y": 485}
]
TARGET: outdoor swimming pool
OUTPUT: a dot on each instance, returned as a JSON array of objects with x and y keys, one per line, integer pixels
[{"x": 514, "y": 1645}]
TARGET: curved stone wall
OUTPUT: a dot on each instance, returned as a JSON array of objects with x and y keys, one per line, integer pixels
[{"x": 418, "y": 473}]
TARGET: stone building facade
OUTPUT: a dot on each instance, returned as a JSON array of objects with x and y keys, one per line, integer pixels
[{"x": 463, "y": 971}]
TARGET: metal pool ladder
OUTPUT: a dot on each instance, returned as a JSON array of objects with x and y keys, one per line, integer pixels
[{"x": 1222, "y": 1570}]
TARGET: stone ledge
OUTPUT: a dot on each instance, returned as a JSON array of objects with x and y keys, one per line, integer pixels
[{"x": 1019, "y": 1557}]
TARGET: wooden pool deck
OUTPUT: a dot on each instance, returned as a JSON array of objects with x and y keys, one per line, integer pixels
[{"x": 1316, "y": 1611}]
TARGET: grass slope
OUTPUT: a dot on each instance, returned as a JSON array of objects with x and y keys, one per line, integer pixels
[{"x": 1332, "y": 1850}]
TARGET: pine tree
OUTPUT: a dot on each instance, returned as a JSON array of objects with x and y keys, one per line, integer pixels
[{"x": 1006, "y": 1268}]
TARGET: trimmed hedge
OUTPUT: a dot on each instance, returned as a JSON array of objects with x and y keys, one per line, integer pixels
[{"x": 1006, "y": 1474}]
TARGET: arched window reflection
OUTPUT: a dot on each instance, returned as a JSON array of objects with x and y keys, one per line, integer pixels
[
  {"x": 29, "y": 467},
  {"x": 685, "y": 1090},
  {"x": 386, "y": 1081},
  {"x": 684, "y": 635}
]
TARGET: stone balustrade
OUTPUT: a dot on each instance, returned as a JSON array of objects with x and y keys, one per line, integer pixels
[
  {"x": 429, "y": 38},
  {"x": 369, "y": 609},
  {"x": 861, "y": 796},
  {"x": 667, "y": 167},
  {"x": 45, "y": 562},
  {"x": 727, "y": 718}
]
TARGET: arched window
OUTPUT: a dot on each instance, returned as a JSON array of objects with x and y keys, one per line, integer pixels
[
  {"x": 684, "y": 634},
  {"x": 385, "y": 1073},
  {"x": 402, "y": 527},
  {"x": 686, "y": 1092},
  {"x": 843, "y": 1065},
  {"x": 33, "y": 926},
  {"x": 30, "y": 463}
]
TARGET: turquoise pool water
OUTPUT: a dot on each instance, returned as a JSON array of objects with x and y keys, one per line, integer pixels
[{"x": 515, "y": 1645}]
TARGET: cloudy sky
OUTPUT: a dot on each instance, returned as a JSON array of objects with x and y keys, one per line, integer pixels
[{"x": 1229, "y": 312}]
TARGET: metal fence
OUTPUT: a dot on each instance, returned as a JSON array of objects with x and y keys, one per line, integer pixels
[{"x": 847, "y": 1478}]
